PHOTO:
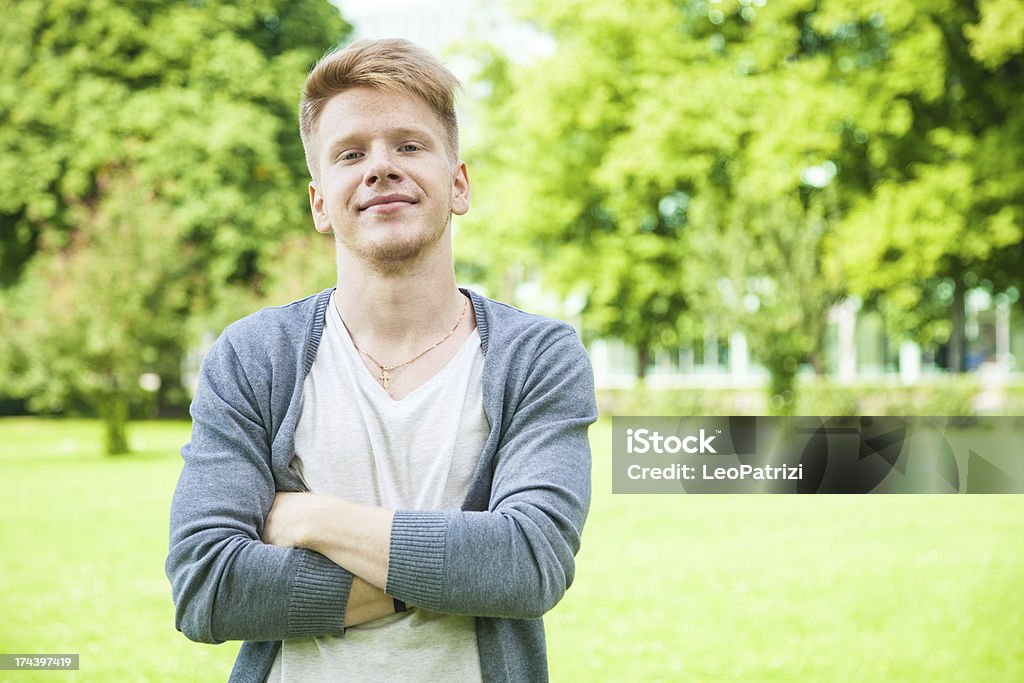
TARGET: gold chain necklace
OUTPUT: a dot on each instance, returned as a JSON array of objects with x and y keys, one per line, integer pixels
[{"x": 386, "y": 370}]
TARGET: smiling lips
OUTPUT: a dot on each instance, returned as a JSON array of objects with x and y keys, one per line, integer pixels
[{"x": 386, "y": 203}]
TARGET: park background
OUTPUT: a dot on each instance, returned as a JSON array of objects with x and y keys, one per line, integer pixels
[{"x": 753, "y": 207}]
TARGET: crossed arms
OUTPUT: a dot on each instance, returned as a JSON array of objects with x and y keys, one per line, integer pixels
[
  {"x": 351, "y": 535},
  {"x": 509, "y": 554}
]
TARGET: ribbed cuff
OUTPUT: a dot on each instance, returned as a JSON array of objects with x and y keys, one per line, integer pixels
[
  {"x": 319, "y": 596},
  {"x": 416, "y": 560}
]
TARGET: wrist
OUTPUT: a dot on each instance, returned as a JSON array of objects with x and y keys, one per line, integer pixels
[
  {"x": 352, "y": 535},
  {"x": 310, "y": 529}
]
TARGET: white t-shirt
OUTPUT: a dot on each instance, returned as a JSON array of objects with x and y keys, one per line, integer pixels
[{"x": 356, "y": 442}]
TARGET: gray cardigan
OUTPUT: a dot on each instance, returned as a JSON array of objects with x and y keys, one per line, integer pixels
[{"x": 506, "y": 557}]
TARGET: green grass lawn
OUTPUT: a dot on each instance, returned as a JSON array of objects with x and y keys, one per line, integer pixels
[{"x": 670, "y": 588}]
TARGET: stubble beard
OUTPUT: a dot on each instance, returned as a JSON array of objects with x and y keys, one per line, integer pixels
[{"x": 394, "y": 254}]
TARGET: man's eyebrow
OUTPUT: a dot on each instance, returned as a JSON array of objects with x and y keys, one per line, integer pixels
[
  {"x": 413, "y": 132},
  {"x": 338, "y": 144}
]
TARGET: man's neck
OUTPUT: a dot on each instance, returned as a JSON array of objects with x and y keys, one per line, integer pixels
[{"x": 397, "y": 312}]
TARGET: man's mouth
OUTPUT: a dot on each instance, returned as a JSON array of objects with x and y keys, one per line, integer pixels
[{"x": 388, "y": 202}]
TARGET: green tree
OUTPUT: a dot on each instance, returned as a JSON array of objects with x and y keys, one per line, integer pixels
[
  {"x": 937, "y": 140},
  {"x": 660, "y": 151},
  {"x": 744, "y": 165},
  {"x": 149, "y": 167},
  {"x": 95, "y": 314},
  {"x": 538, "y": 192},
  {"x": 735, "y": 127}
]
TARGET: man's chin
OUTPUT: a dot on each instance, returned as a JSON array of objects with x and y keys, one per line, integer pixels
[{"x": 394, "y": 255}]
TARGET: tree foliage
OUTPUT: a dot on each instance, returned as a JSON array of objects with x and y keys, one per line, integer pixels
[
  {"x": 939, "y": 140},
  {"x": 744, "y": 165},
  {"x": 149, "y": 165}
]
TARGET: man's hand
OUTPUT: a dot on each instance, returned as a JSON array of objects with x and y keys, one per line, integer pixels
[
  {"x": 292, "y": 523},
  {"x": 288, "y": 517},
  {"x": 366, "y": 603},
  {"x": 354, "y": 536}
]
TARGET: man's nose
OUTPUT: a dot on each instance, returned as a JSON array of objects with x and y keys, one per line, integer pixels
[{"x": 383, "y": 165}]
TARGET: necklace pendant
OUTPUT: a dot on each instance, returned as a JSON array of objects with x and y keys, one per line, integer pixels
[{"x": 385, "y": 371}]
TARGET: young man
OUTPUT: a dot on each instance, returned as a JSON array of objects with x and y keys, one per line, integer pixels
[{"x": 387, "y": 480}]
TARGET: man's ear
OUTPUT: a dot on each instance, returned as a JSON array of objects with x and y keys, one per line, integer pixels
[
  {"x": 460, "y": 189},
  {"x": 316, "y": 203}
]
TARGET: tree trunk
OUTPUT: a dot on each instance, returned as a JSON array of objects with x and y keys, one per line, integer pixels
[
  {"x": 643, "y": 357},
  {"x": 170, "y": 400},
  {"x": 114, "y": 411},
  {"x": 956, "y": 338}
]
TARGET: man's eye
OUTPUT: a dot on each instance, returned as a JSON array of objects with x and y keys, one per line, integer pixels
[
  {"x": 409, "y": 147},
  {"x": 349, "y": 156}
]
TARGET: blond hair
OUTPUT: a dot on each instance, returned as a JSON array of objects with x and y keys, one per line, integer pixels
[{"x": 392, "y": 65}]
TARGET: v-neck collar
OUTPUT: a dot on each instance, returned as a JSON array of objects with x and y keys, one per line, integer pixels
[{"x": 366, "y": 376}]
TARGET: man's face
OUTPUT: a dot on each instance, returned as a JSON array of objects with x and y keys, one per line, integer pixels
[{"x": 387, "y": 184}]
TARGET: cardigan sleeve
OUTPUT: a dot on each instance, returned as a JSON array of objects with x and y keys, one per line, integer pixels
[
  {"x": 516, "y": 559},
  {"x": 226, "y": 583}
]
